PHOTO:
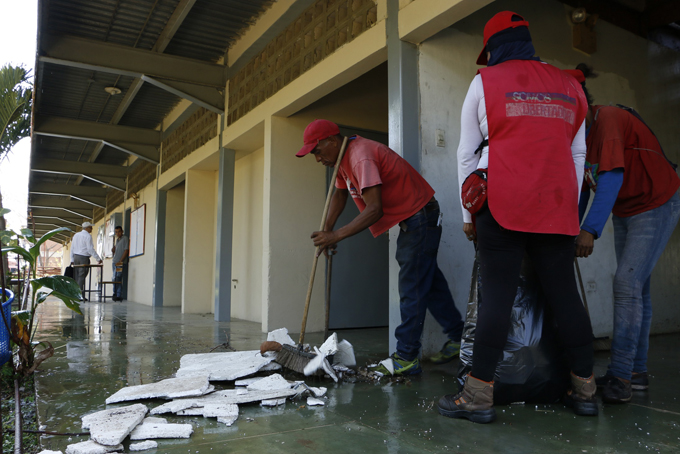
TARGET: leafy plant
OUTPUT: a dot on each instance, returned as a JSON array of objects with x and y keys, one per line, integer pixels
[{"x": 23, "y": 323}]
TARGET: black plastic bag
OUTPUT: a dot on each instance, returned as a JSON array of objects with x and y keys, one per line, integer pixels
[{"x": 533, "y": 368}]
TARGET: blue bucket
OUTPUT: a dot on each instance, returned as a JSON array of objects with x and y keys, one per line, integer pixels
[{"x": 5, "y": 347}]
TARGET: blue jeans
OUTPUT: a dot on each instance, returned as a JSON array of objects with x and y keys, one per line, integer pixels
[
  {"x": 639, "y": 242},
  {"x": 117, "y": 277},
  {"x": 422, "y": 285}
]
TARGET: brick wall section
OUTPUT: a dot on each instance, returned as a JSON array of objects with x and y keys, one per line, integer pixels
[
  {"x": 113, "y": 199},
  {"x": 141, "y": 177},
  {"x": 97, "y": 214},
  {"x": 195, "y": 132},
  {"x": 315, "y": 34}
]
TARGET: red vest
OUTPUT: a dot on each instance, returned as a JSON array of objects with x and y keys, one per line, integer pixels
[{"x": 534, "y": 110}]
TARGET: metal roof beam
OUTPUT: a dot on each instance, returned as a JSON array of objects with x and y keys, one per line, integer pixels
[
  {"x": 206, "y": 97},
  {"x": 173, "y": 24},
  {"x": 143, "y": 143},
  {"x": 78, "y": 168},
  {"x": 92, "y": 200},
  {"x": 128, "y": 61},
  {"x": 58, "y": 213},
  {"x": 52, "y": 208},
  {"x": 69, "y": 189},
  {"x": 58, "y": 202},
  {"x": 60, "y": 220}
]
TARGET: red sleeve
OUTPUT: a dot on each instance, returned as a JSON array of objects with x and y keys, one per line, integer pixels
[{"x": 367, "y": 174}]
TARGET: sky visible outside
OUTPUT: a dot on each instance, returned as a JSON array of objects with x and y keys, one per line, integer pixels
[{"x": 18, "y": 30}]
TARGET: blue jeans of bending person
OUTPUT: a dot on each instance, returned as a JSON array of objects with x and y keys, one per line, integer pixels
[
  {"x": 117, "y": 277},
  {"x": 639, "y": 242},
  {"x": 422, "y": 285}
]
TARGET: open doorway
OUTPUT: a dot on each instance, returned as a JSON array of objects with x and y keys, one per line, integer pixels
[{"x": 174, "y": 246}]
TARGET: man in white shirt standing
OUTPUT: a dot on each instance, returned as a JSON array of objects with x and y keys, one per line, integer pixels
[{"x": 81, "y": 251}]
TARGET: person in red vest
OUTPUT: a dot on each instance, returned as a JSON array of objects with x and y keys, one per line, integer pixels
[
  {"x": 533, "y": 117},
  {"x": 388, "y": 191},
  {"x": 632, "y": 178}
]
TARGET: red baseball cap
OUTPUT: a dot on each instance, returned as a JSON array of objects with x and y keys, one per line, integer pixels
[
  {"x": 577, "y": 74},
  {"x": 498, "y": 23},
  {"x": 315, "y": 132}
]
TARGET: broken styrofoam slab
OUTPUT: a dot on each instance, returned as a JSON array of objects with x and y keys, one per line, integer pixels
[
  {"x": 345, "y": 354},
  {"x": 170, "y": 388},
  {"x": 150, "y": 431},
  {"x": 389, "y": 365},
  {"x": 313, "y": 401},
  {"x": 227, "y": 420},
  {"x": 281, "y": 336},
  {"x": 320, "y": 362},
  {"x": 247, "y": 381},
  {"x": 91, "y": 447},
  {"x": 273, "y": 382},
  {"x": 330, "y": 347},
  {"x": 271, "y": 366},
  {"x": 222, "y": 366},
  {"x": 229, "y": 396},
  {"x": 110, "y": 427},
  {"x": 47, "y": 451},
  {"x": 318, "y": 392},
  {"x": 215, "y": 410},
  {"x": 272, "y": 402},
  {"x": 154, "y": 420},
  {"x": 144, "y": 445}
]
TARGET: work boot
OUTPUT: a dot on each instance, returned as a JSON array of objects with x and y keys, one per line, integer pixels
[
  {"x": 450, "y": 350},
  {"x": 617, "y": 391},
  {"x": 474, "y": 402},
  {"x": 401, "y": 366},
  {"x": 581, "y": 396},
  {"x": 639, "y": 381}
]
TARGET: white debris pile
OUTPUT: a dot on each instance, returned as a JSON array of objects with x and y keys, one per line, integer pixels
[{"x": 191, "y": 394}]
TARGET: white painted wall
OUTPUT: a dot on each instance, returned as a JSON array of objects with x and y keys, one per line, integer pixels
[
  {"x": 246, "y": 291},
  {"x": 174, "y": 247},
  {"x": 632, "y": 70}
]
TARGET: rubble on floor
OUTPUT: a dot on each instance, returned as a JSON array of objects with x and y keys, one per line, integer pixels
[
  {"x": 91, "y": 447},
  {"x": 191, "y": 394},
  {"x": 144, "y": 445},
  {"x": 110, "y": 427},
  {"x": 164, "y": 389},
  {"x": 47, "y": 451}
]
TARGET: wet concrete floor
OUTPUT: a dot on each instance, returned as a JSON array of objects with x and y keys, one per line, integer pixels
[{"x": 118, "y": 344}]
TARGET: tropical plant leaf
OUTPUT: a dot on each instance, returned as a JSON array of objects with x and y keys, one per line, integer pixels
[
  {"x": 35, "y": 249},
  {"x": 15, "y": 107},
  {"x": 4, "y": 211},
  {"x": 22, "y": 252},
  {"x": 22, "y": 316},
  {"x": 64, "y": 288},
  {"x": 28, "y": 234},
  {"x": 6, "y": 236}
]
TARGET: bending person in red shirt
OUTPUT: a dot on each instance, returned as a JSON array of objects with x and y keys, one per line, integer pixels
[
  {"x": 631, "y": 177},
  {"x": 533, "y": 116},
  {"x": 388, "y": 191}
]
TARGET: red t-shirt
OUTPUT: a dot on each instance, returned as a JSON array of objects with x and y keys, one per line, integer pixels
[
  {"x": 617, "y": 139},
  {"x": 368, "y": 163}
]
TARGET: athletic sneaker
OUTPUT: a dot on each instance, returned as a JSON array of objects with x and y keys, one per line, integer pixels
[
  {"x": 449, "y": 351},
  {"x": 401, "y": 366},
  {"x": 638, "y": 381},
  {"x": 617, "y": 391}
]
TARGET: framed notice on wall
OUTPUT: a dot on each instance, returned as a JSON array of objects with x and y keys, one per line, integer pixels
[{"x": 137, "y": 231}]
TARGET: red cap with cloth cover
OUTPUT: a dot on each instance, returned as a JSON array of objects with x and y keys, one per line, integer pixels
[
  {"x": 315, "y": 132},
  {"x": 498, "y": 23}
]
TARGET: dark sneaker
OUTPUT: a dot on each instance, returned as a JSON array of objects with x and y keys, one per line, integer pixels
[
  {"x": 639, "y": 382},
  {"x": 449, "y": 351},
  {"x": 401, "y": 366},
  {"x": 473, "y": 402},
  {"x": 602, "y": 381},
  {"x": 617, "y": 391}
]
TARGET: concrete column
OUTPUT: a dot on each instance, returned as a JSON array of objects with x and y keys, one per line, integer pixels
[
  {"x": 224, "y": 231},
  {"x": 404, "y": 129},
  {"x": 198, "y": 283},
  {"x": 294, "y": 195},
  {"x": 174, "y": 246},
  {"x": 159, "y": 249}
]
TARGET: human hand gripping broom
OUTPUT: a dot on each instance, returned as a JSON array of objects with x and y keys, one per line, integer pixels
[{"x": 289, "y": 356}]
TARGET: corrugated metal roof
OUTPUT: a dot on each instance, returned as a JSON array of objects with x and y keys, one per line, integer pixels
[
  {"x": 134, "y": 23},
  {"x": 212, "y": 26},
  {"x": 150, "y": 106}
]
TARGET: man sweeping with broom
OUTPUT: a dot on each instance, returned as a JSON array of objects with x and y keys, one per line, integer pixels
[{"x": 388, "y": 191}]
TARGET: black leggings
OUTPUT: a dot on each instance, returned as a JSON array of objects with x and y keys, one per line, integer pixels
[{"x": 501, "y": 252}]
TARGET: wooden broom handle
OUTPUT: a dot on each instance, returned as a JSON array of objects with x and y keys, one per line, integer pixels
[{"x": 316, "y": 250}]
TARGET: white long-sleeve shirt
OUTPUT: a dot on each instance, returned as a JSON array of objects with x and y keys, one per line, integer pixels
[
  {"x": 474, "y": 128},
  {"x": 81, "y": 244}
]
